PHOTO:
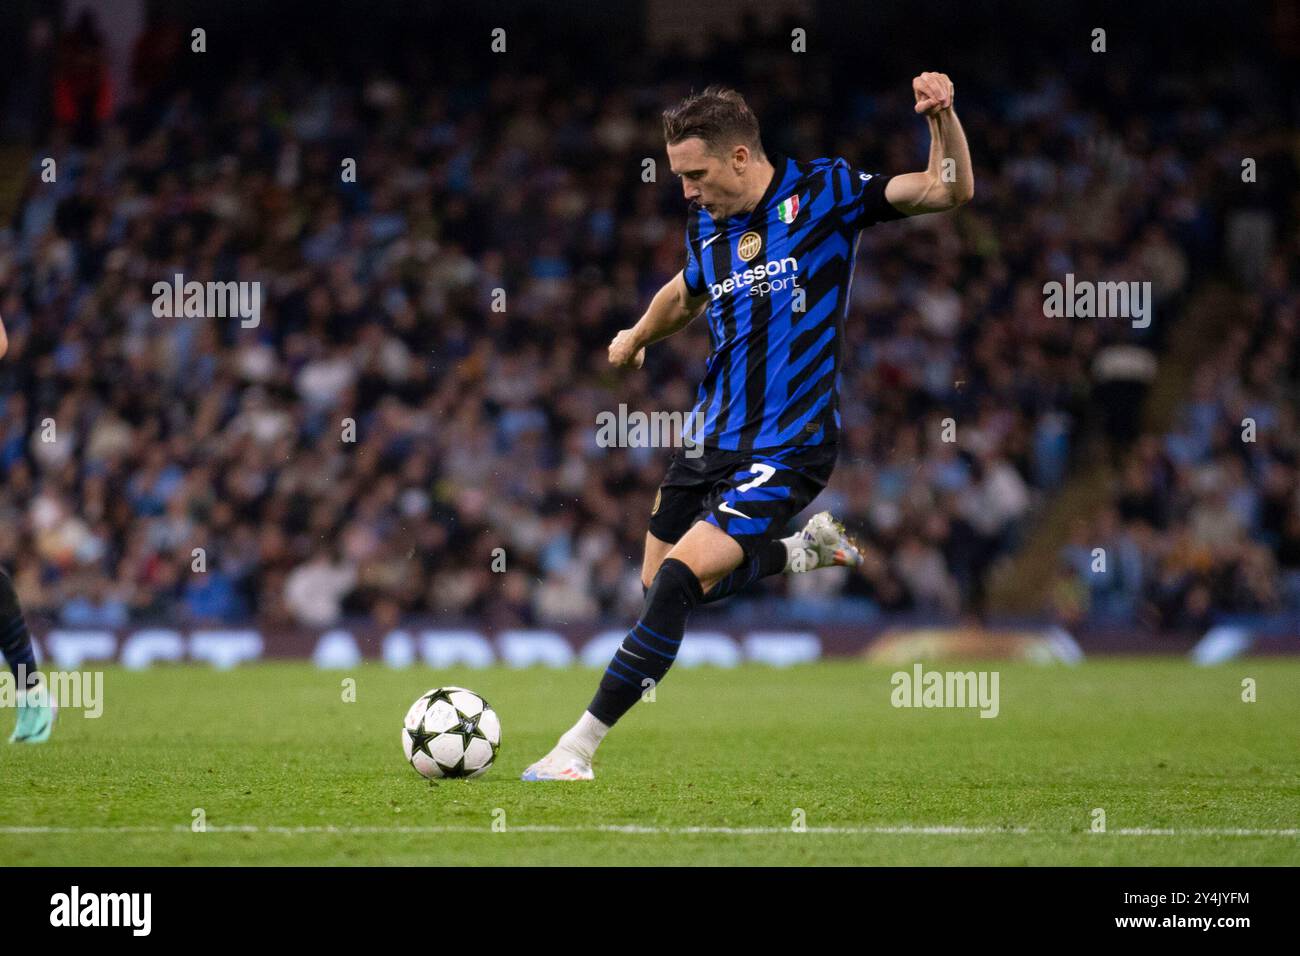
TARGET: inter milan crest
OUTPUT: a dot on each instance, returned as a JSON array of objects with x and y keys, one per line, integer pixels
[{"x": 749, "y": 245}]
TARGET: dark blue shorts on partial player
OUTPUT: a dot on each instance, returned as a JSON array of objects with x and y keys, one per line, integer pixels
[{"x": 751, "y": 495}]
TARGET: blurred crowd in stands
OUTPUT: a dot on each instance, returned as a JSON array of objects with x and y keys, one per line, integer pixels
[
  {"x": 1204, "y": 525},
  {"x": 384, "y": 429}
]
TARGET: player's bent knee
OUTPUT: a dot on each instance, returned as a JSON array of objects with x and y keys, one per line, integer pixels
[
  {"x": 709, "y": 552},
  {"x": 675, "y": 581},
  {"x": 656, "y": 550}
]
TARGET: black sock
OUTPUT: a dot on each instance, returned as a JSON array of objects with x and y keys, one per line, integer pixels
[
  {"x": 769, "y": 558},
  {"x": 651, "y": 645},
  {"x": 15, "y": 642}
]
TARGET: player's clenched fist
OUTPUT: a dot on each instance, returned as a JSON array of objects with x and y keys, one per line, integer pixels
[
  {"x": 933, "y": 92},
  {"x": 623, "y": 351}
]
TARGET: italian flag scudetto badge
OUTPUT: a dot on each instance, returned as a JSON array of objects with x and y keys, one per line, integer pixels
[{"x": 788, "y": 209}]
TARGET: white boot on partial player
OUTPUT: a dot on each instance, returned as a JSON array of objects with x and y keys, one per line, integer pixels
[
  {"x": 822, "y": 543},
  {"x": 570, "y": 759}
]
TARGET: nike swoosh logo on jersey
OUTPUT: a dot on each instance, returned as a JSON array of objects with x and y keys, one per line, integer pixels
[
  {"x": 705, "y": 244},
  {"x": 726, "y": 506}
]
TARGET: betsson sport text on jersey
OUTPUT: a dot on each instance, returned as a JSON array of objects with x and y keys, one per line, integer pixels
[{"x": 775, "y": 267}]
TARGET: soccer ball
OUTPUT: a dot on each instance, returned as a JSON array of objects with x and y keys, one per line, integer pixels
[{"x": 451, "y": 732}]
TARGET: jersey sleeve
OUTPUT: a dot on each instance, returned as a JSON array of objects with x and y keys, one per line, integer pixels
[
  {"x": 693, "y": 274},
  {"x": 862, "y": 197}
]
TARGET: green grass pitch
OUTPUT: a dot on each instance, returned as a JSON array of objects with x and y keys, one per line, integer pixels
[{"x": 715, "y": 771}]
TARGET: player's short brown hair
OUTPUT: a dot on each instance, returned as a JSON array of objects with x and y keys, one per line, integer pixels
[{"x": 719, "y": 116}]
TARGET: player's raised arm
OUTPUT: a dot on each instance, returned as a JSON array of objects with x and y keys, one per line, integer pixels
[
  {"x": 931, "y": 190},
  {"x": 669, "y": 311}
]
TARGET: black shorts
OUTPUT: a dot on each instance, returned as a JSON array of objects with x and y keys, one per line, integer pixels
[{"x": 751, "y": 495}]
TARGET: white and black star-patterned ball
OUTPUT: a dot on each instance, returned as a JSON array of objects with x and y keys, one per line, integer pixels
[{"x": 451, "y": 732}]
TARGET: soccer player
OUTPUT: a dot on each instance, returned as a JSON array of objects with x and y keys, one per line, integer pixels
[
  {"x": 769, "y": 249},
  {"x": 36, "y": 707}
]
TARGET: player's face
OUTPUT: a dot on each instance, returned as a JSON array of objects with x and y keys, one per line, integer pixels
[{"x": 708, "y": 179}]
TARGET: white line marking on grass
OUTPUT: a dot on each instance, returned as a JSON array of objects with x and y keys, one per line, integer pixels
[
  {"x": 1207, "y": 831},
  {"x": 87, "y": 829},
  {"x": 652, "y": 830}
]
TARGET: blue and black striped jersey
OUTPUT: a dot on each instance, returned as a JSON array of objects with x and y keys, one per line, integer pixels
[{"x": 778, "y": 278}]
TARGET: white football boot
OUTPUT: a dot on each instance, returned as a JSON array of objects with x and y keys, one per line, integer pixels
[
  {"x": 559, "y": 764},
  {"x": 822, "y": 543}
]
